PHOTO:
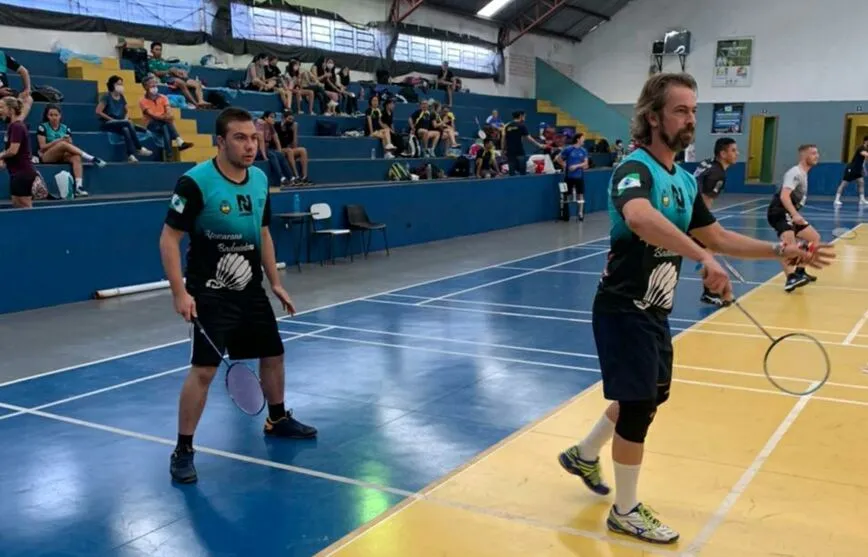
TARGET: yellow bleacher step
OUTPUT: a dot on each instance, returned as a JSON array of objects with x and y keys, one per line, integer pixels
[
  {"x": 564, "y": 118},
  {"x": 105, "y": 63},
  {"x": 101, "y": 76},
  {"x": 198, "y": 154}
]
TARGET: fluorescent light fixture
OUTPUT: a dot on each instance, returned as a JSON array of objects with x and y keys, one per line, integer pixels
[{"x": 492, "y": 8}]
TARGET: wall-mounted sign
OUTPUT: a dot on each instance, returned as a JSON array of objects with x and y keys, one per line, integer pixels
[
  {"x": 727, "y": 119},
  {"x": 733, "y": 59}
]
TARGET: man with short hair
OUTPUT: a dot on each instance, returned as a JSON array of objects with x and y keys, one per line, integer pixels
[
  {"x": 783, "y": 213},
  {"x": 223, "y": 204},
  {"x": 655, "y": 207},
  {"x": 511, "y": 143},
  {"x": 711, "y": 178}
]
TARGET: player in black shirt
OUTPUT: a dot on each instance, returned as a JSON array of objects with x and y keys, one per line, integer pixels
[
  {"x": 446, "y": 82},
  {"x": 711, "y": 179},
  {"x": 855, "y": 172},
  {"x": 512, "y": 146},
  {"x": 422, "y": 126},
  {"x": 654, "y": 208}
]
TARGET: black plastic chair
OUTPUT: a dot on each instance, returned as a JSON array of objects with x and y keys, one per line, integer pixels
[{"x": 358, "y": 221}]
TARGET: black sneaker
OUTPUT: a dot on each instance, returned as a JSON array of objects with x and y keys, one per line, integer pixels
[
  {"x": 289, "y": 428},
  {"x": 795, "y": 280},
  {"x": 802, "y": 272},
  {"x": 182, "y": 468}
]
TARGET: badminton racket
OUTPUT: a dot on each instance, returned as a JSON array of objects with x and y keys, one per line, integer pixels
[
  {"x": 844, "y": 233},
  {"x": 242, "y": 383},
  {"x": 792, "y": 351}
]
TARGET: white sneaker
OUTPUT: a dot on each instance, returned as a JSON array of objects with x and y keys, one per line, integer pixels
[
  {"x": 145, "y": 152},
  {"x": 837, "y": 202},
  {"x": 863, "y": 201},
  {"x": 642, "y": 524},
  {"x": 132, "y": 159}
]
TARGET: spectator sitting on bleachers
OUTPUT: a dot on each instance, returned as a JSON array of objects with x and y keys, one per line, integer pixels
[
  {"x": 486, "y": 161},
  {"x": 447, "y": 126},
  {"x": 351, "y": 105},
  {"x": 387, "y": 120},
  {"x": 175, "y": 78},
  {"x": 255, "y": 79},
  {"x": 446, "y": 81},
  {"x": 493, "y": 126},
  {"x": 374, "y": 126},
  {"x": 9, "y": 63},
  {"x": 55, "y": 146},
  {"x": 294, "y": 79},
  {"x": 422, "y": 126},
  {"x": 620, "y": 152},
  {"x": 112, "y": 110},
  {"x": 270, "y": 150},
  {"x": 287, "y": 137},
  {"x": 159, "y": 117},
  {"x": 272, "y": 72},
  {"x": 322, "y": 74}
]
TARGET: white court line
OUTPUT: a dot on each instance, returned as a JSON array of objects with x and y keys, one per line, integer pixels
[
  {"x": 292, "y": 336},
  {"x": 856, "y": 328},
  {"x": 689, "y": 329},
  {"x": 345, "y": 302},
  {"x": 762, "y": 375},
  {"x": 415, "y": 496},
  {"x": 739, "y": 488},
  {"x": 518, "y": 276},
  {"x": 746, "y": 211},
  {"x": 456, "y": 353},
  {"x": 697, "y": 279},
  {"x": 457, "y": 341},
  {"x": 587, "y": 312}
]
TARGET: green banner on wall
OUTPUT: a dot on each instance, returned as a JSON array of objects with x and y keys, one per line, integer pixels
[{"x": 733, "y": 59}]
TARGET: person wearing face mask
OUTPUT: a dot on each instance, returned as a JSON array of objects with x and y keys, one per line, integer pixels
[
  {"x": 159, "y": 118},
  {"x": 293, "y": 73},
  {"x": 112, "y": 111},
  {"x": 323, "y": 73}
]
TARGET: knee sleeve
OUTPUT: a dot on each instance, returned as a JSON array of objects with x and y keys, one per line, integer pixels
[
  {"x": 663, "y": 393},
  {"x": 634, "y": 419}
]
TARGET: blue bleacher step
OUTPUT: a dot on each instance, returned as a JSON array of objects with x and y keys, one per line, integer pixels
[{"x": 46, "y": 64}]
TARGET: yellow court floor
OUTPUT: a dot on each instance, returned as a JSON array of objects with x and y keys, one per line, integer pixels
[{"x": 739, "y": 468}]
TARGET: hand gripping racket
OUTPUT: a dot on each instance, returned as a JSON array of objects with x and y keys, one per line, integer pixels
[
  {"x": 242, "y": 383},
  {"x": 795, "y": 351}
]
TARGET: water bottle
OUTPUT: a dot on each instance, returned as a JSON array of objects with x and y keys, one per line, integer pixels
[
  {"x": 296, "y": 203},
  {"x": 542, "y": 129},
  {"x": 374, "y": 153}
]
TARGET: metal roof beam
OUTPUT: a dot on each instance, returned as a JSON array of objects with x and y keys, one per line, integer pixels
[
  {"x": 588, "y": 12},
  {"x": 402, "y": 8},
  {"x": 532, "y": 17}
]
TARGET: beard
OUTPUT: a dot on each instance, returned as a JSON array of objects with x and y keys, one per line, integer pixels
[{"x": 680, "y": 140}]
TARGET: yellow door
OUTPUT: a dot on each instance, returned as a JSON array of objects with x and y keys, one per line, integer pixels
[
  {"x": 755, "y": 147},
  {"x": 858, "y": 126}
]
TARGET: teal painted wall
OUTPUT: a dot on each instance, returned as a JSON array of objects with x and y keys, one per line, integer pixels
[
  {"x": 553, "y": 86},
  {"x": 821, "y": 123}
]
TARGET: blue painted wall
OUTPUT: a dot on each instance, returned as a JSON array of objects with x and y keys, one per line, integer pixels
[
  {"x": 591, "y": 110},
  {"x": 65, "y": 253}
]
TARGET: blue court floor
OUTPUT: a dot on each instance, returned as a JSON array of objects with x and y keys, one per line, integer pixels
[{"x": 404, "y": 387}]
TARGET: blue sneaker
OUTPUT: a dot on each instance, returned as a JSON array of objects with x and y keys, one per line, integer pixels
[
  {"x": 289, "y": 428},
  {"x": 182, "y": 468},
  {"x": 588, "y": 471}
]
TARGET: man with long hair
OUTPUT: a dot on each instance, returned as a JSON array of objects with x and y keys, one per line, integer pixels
[
  {"x": 655, "y": 208},
  {"x": 223, "y": 204}
]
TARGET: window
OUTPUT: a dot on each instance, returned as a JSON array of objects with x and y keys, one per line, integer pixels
[
  {"x": 186, "y": 15},
  {"x": 410, "y": 48}
]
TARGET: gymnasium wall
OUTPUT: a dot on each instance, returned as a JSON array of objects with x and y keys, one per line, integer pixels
[{"x": 807, "y": 64}]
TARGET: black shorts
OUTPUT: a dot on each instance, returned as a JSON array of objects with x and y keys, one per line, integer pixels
[
  {"x": 851, "y": 174},
  {"x": 21, "y": 184},
  {"x": 781, "y": 221},
  {"x": 575, "y": 185},
  {"x": 635, "y": 352},
  {"x": 242, "y": 324}
]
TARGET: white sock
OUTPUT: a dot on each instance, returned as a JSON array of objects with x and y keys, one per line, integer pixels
[
  {"x": 602, "y": 432},
  {"x": 78, "y": 183},
  {"x": 87, "y": 157},
  {"x": 626, "y": 486}
]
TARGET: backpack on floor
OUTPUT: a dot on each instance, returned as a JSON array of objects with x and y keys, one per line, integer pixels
[{"x": 397, "y": 173}]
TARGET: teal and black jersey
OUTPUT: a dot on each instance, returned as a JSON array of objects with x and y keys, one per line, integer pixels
[
  {"x": 52, "y": 134},
  {"x": 637, "y": 274},
  {"x": 224, "y": 220}
]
